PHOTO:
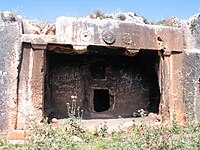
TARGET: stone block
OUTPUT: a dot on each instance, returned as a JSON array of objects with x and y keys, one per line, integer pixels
[{"x": 10, "y": 51}]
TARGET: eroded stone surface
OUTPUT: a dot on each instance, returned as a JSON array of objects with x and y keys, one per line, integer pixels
[
  {"x": 123, "y": 17},
  {"x": 192, "y": 83},
  {"x": 34, "y": 27},
  {"x": 29, "y": 77},
  {"x": 113, "y": 33},
  {"x": 10, "y": 51}
]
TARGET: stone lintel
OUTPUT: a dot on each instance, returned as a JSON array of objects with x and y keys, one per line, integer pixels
[
  {"x": 38, "y": 39},
  {"x": 39, "y": 46},
  {"x": 112, "y": 33}
]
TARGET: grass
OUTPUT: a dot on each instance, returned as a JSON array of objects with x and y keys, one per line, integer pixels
[
  {"x": 73, "y": 137},
  {"x": 141, "y": 137}
]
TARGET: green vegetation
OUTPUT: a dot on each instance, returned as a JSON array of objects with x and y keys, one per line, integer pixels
[
  {"x": 121, "y": 17},
  {"x": 193, "y": 25},
  {"x": 97, "y": 14},
  {"x": 141, "y": 137},
  {"x": 8, "y": 16},
  {"x": 146, "y": 21},
  {"x": 166, "y": 22},
  {"x": 72, "y": 136}
]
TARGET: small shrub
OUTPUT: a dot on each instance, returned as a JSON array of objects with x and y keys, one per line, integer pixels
[
  {"x": 165, "y": 23},
  {"x": 8, "y": 16},
  {"x": 136, "y": 14},
  {"x": 146, "y": 21},
  {"x": 97, "y": 14},
  {"x": 193, "y": 25},
  {"x": 121, "y": 17},
  {"x": 50, "y": 138},
  {"x": 108, "y": 17},
  {"x": 103, "y": 130},
  {"x": 176, "y": 128}
]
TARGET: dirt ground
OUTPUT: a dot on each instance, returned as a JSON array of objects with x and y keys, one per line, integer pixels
[{"x": 116, "y": 124}]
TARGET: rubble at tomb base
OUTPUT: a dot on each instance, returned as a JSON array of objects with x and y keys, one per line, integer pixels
[{"x": 111, "y": 67}]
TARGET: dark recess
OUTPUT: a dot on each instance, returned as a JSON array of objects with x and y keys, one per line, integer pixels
[
  {"x": 102, "y": 70},
  {"x": 101, "y": 100}
]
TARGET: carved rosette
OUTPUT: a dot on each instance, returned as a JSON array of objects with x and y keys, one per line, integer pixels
[
  {"x": 108, "y": 37},
  {"x": 85, "y": 35}
]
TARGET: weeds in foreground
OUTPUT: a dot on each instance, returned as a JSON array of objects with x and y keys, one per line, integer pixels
[
  {"x": 75, "y": 115},
  {"x": 141, "y": 137}
]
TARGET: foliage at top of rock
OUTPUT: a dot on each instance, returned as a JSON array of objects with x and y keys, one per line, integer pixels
[
  {"x": 127, "y": 17},
  {"x": 134, "y": 18},
  {"x": 194, "y": 22},
  {"x": 7, "y": 16},
  {"x": 42, "y": 28},
  {"x": 172, "y": 22}
]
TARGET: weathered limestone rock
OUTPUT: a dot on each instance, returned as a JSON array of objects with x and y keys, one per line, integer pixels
[
  {"x": 83, "y": 32},
  {"x": 125, "y": 60},
  {"x": 123, "y": 17},
  {"x": 194, "y": 26},
  {"x": 192, "y": 68},
  {"x": 10, "y": 51},
  {"x": 192, "y": 83},
  {"x": 34, "y": 27}
]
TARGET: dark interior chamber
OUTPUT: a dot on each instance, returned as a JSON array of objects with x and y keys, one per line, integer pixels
[
  {"x": 107, "y": 85},
  {"x": 101, "y": 100}
]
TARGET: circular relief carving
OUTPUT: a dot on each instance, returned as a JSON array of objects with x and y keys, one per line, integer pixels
[
  {"x": 85, "y": 35},
  {"x": 127, "y": 38},
  {"x": 108, "y": 37}
]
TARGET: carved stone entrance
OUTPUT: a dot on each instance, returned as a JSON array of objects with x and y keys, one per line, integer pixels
[
  {"x": 130, "y": 66},
  {"x": 107, "y": 84}
]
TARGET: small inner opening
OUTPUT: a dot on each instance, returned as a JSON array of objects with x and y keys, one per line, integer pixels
[{"x": 101, "y": 100}]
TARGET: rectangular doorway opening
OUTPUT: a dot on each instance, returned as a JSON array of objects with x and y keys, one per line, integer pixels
[
  {"x": 101, "y": 100},
  {"x": 106, "y": 85}
]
